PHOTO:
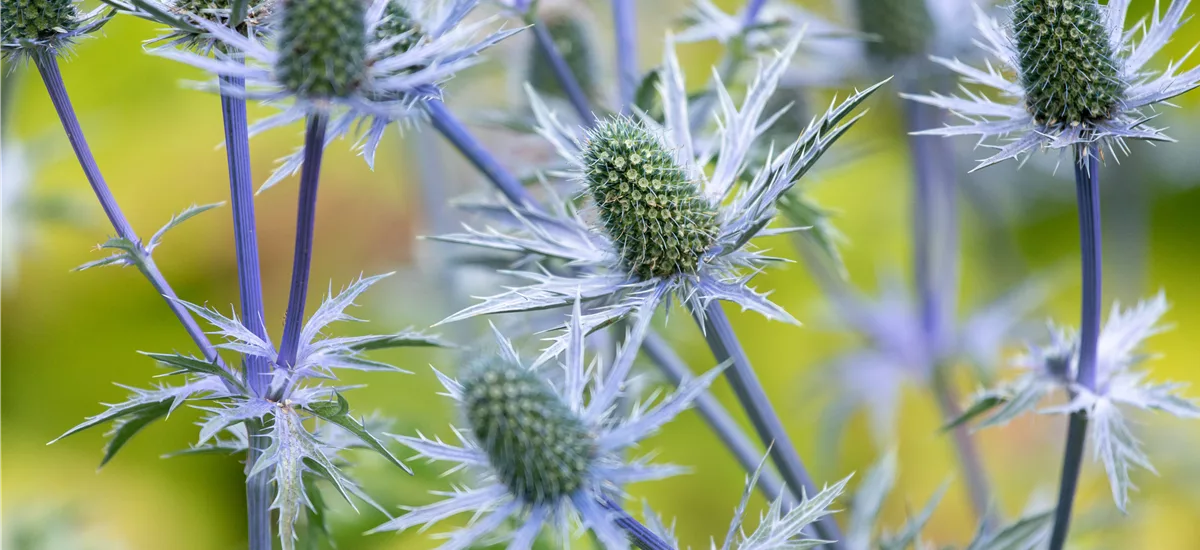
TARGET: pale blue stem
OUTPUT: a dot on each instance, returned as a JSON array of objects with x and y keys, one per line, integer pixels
[
  {"x": 306, "y": 213},
  {"x": 640, "y": 535},
  {"x": 1087, "y": 190},
  {"x": 625, "y": 27},
  {"x": 47, "y": 65},
  {"x": 458, "y": 135},
  {"x": 562, "y": 72},
  {"x": 750, "y": 15},
  {"x": 726, "y": 347}
]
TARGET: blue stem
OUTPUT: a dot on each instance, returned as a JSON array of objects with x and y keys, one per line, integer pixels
[
  {"x": 258, "y": 491},
  {"x": 1087, "y": 190},
  {"x": 241, "y": 194},
  {"x": 726, "y": 347},
  {"x": 457, "y": 134},
  {"x": 718, "y": 419},
  {"x": 625, "y": 26},
  {"x": 562, "y": 71},
  {"x": 641, "y": 536},
  {"x": 750, "y": 15},
  {"x": 306, "y": 213},
  {"x": 47, "y": 65}
]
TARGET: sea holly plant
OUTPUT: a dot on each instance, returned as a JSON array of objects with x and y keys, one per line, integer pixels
[
  {"x": 307, "y": 418},
  {"x": 548, "y": 453},
  {"x": 1082, "y": 83}
]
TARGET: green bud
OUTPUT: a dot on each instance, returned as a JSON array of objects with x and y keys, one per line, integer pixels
[
  {"x": 901, "y": 27},
  {"x": 1067, "y": 64},
  {"x": 36, "y": 19},
  {"x": 657, "y": 217},
  {"x": 397, "y": 21},
  {"x": 538, "y": 447},
  {"x": 575, "y": 42},
  {"x": 322, "y": 47}
]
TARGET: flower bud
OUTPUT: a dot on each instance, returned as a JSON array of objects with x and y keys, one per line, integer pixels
[
  {"x": 537, "y": 446},
  {"x": 656, "y": 217},
  {"x": 901, "y": 28},
  {"x": 322, "y": 47},
  {"x": 36, "y": 19},
  {"x": 1067, "y": 66}
]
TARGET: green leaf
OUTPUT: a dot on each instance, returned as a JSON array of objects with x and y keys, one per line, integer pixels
[
  {"x": 221, "y": 448},
  {"x": 983, "y": 403},
  {"x": 237, "y": 12},
  {"x": 192, "y": 365},
  {"x": 1026, "y": 533},
  {"x": 338, "y": 412},
  {"x": 803, "y": 212},
  {"x": 115, "y": 259},
  {"x": 129, "y": 425},
  {"x": 398, "y": 340},
  {"x": 188, "y": 213},
  {"x": 122, "y": 244},
  {"x": 912, "y": 530}
]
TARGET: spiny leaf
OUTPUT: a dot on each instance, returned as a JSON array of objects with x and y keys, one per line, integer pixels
[
  {"x": 115, "y": 259},
  {"x": 983, "y": 403},
  {"x": 397, "y": 340},
  {"x": 163, "y": 16},
  {"x": 1024, "y": 534},
  {"x": 338, "y": 412},
  {"x": 192, "y": 365},
  {"x": 129, "y": 425},
  {"x": 647, "y": 91},
  {"x": 912, "y": 530},
  {"x": 188, "y": 213},
  {"x": 143, "y": 401}
]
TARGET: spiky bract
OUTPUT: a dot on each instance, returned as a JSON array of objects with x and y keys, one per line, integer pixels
[
  {"x": 37, "y": 19},
  {"x": 538, "y": 447},
  {"x": 1067, "y": 65},
  {"x": 322, "y": 48},
  {"x": 655, "y": 215},
  {"x": 396, "y": 22},
  {"x": 899, "y": 28}
]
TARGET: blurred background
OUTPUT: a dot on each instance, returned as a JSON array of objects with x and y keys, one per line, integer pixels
[{"x": 69, "y": 336}]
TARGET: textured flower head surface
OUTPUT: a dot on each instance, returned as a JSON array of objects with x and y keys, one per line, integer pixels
[
  {"x": 899, "y": 352},
  {"x": 659, "y": 224},
  {"x": 547, "y": 447},
  {"x": 29, "y": 27},
  {"x": 1069, "y": 74},
  {"x": 179, "y": 16},
  {"x": 364, "y": 64},
  {"x": 1119, "y": 383}
]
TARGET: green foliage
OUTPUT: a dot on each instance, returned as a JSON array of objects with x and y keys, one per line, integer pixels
[
  {"x": 338, "y": 412},
  {"x": 539, "y": 448},
  {"x": 183, "y": 364},
  {"x": 658, "y": 219},
  {"x": 1067, "y": 64},
  {"x": 36, "y": 19},
  {"x": 397, "y": 21},
  {"x": 899, "y": 28},
  {"x": 322, "y": 48}
]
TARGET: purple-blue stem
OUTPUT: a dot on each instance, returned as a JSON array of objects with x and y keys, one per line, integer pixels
[
  {"x": 935, "y": 262},
  {"x": 625, "y": 27},
  {"x": 750, "y": 15},
  {"x": 725, "y": 347},
  {"x": 458, "y": 135},
  {"x": 47, "y": 64},
  {"x": 562, "y": 71},
  {"x": 306, "y": 214},
  {"x": 640, "y": 535},
  {"x": 1087, "y": 192},
  {"x": 241, "y": 193},
  {"x": 726, "y": 428},
  {"x": 461, "y": 138}
]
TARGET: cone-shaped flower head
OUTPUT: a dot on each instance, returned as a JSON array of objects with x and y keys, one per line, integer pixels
[
  {"x": 1080, "y": 77},
  {"x": 546, "y": 448},
  {"x": 656, "y": 217},
  {"x": 322, "y": 48},
  {"x": 1067, "y": 64},
  {"x": 663, "y": 224},
  {"x": 37, "y": 19},
  {"x": 899, "y": 29}
]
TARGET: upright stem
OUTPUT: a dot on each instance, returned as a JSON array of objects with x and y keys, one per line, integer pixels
[
  {"x": 718, "y": 419},
  {"x": 726, "y": 347},
  {"x": 306, "y": 213},
  {"x": 47, "y": 65},
  {"x": 640, "y": 535},
  {"x": 258, "y": 491},
  {"x": 1087, "y": 191},
  {"x": 625, "y": 26},
  {"x": 562, "y": 71},
  {"x": 457, "y": 134},
  {"x": 241, "y": 194}
]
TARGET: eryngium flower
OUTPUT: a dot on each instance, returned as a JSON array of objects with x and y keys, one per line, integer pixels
[
  {"x": 898, "y": 28},
  {"x": 664, "y": 226},
  {"x": 365, "y": 65},
  {"x": 29, "y": 26},
  {"x": 179, "y": 17},
  {"x": 1080, "y": 78},
  {"x": 1119, "y": 383},
  {"x": 545, "y": 453}
]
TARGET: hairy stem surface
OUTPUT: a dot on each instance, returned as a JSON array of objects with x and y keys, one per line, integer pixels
[
  {"x": 306, "y": 213},
  {"x": 1087, "y": 192},
  {"x": 726, "y": 347}
]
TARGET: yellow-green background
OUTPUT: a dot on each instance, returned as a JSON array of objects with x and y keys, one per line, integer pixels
[{"x": 67, "y": 336}]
